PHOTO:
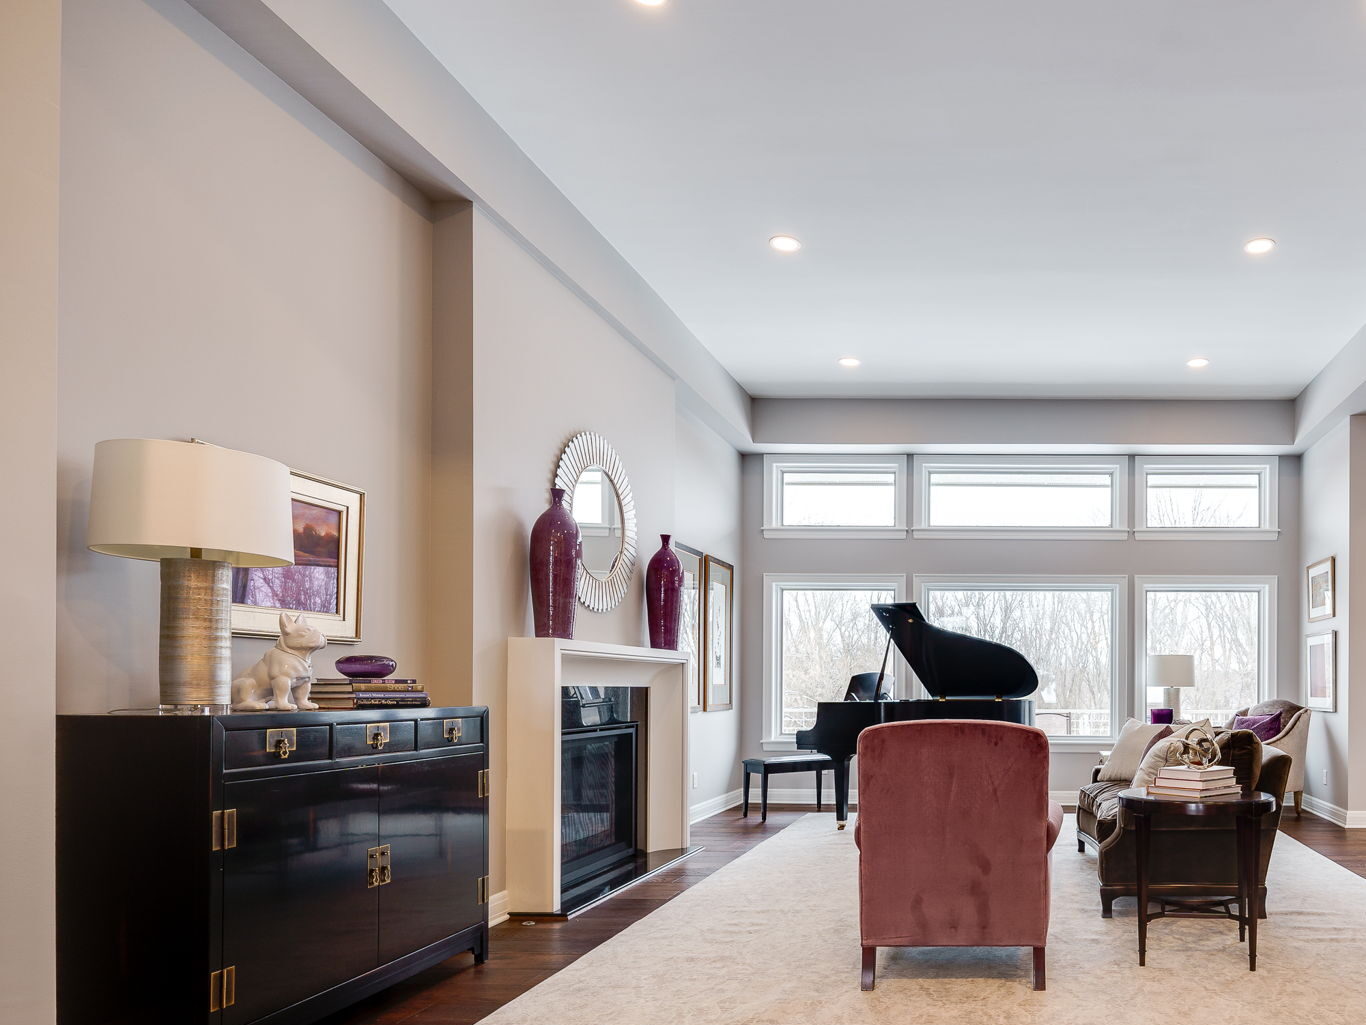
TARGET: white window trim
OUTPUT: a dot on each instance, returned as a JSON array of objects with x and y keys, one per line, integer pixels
[
  {"x": 774, "y": 583},
  {"x": 1266, "y": 663},
  {"x": 1117, "y": 585},
  {"x": 1266, "y": 467},
  {"x": 1116, "y": 466},
  {"x": 775, "y": 466}
]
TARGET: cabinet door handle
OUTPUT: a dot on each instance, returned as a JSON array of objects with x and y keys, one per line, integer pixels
[
  {"x": 372, "y": 868},
  {"x": 379, "y": 735},
  {"x": 386, "y": 875}
]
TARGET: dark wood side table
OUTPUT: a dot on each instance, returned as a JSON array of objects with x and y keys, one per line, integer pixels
[{"x": 1140, "y": 809}]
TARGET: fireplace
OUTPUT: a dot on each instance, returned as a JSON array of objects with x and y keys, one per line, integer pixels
[{"x": 597, "y": 802}]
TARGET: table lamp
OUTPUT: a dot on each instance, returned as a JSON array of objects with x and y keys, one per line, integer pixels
[
  {"x": 1173, "y": 672},
  {"x": 199, "y": 510}
]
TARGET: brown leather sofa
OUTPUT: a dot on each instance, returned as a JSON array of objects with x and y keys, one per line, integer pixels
[{"x": 1188, "y": 861}]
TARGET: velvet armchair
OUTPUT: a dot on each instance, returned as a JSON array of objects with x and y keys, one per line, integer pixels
[
  {"x": 954, "y": 832},
  {"x": 1293, "y": 739}
]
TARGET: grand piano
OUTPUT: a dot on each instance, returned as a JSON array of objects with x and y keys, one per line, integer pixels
[{"x": 968, "y": 678}]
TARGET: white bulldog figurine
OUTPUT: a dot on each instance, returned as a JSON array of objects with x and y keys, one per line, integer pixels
[{"x": 285, "y": 670}]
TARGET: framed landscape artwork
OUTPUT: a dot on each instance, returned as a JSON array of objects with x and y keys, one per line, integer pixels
[
  {"x": 718, "y": 588},
  {"x": 1321, "y": 671},
  {"x": 325, "y": 580},
  {"x": 690, "y": 619},
  {"x": 1319, "y": 579}
]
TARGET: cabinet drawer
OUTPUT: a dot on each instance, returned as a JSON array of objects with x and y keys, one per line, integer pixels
[
  {"x": 247, "y": 749},
  {"x": 353, "y": 741},
  {"x": 432, "y": 733}
]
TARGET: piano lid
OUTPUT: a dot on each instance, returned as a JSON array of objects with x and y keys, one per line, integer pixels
[{"x": 954, "y": 665}]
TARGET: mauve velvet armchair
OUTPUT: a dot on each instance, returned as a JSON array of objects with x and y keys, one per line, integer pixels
[{"x": 954, "y": 832}]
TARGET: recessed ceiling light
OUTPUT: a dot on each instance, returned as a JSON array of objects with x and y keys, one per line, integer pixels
[
  {"x": 1259, "y": 246},
  {"x": 652, "y": 3},
  {"x": 1199, "y": 363},
  {"x": 784, "y": 243},
  {"x": 850, "y": 361}
]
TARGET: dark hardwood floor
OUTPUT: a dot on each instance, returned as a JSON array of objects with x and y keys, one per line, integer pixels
[{"x": 459, "y": 992}]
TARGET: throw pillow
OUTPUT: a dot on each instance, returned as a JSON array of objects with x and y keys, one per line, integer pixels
[
  {"x": 1159, "y": 756},
  {"x": 1134, "y": 740},
  {"x": 1265, "y": 726}
]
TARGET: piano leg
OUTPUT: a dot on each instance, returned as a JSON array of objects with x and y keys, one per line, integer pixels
[{"x": 841, "y": 792}]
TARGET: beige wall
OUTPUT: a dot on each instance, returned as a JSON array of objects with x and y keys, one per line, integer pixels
[
  {"x": 233, "y": 267},
  {"x": 29, "y": 94}
]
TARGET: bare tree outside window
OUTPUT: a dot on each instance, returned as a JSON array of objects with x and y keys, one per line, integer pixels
[
  {"x": 1222, "y": 629},
  {"x": 1065, "y": 633},
  {"x": 828, "y": 635},
  {"x": 1204, "y": 500}
]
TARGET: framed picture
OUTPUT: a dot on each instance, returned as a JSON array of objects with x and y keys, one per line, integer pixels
[
  {"x": 1321, "y": 671},
  {"x": 718, "y": 589},
  {"x": 690, "y": 619},
  {"x": 1319, "y": 580},
  {"x": 325, "y": 580}
]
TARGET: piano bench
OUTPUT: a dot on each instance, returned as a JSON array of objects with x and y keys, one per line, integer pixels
[{"x": 766, "y": 767}]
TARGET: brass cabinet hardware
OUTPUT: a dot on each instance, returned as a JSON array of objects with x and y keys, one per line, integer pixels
[
  {"x": 223, "y": 988},
  {"x": 225, "y": 829},
  {"x": 282, "y": 742},
  {"x": 386, "y": 875},
  {"x": 481, "y": 890},
  {"x": 484, "y": 787},
  {"x": 377, "y": 734},
  {"x": 451, "y": 729},
  {"x": 216, "y": 832},
  {"x": 372, "y": 868}
]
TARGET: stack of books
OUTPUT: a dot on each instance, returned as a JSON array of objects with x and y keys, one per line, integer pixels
[
  {"x": 1195, "y": 784},
  {"x": 356, "y": 693}
]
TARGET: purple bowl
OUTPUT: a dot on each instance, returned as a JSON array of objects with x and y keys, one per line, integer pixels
[{"x": 366, "y": 667}]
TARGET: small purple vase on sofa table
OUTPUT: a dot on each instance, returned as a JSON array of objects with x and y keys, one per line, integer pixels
[
  {"x": 556, "y": 545},
  {"x": 663, "y": 595}
]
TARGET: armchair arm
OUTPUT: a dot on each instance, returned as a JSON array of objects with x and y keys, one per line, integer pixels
[{"x": 1095, "y": 774}]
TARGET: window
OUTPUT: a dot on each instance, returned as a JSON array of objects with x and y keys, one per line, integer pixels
[
  {"x": 1068, "y": 628},
  {"x": 1226, "y": 623},
  {"x": 1200, "y": 498},
  {"x": 833, "y": 496},
  {"x": 819, "y": 631},
  {"x": 1000, "y": 496}
]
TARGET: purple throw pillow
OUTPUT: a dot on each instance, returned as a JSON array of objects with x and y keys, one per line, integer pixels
[{"x": 1265, "y": 726}]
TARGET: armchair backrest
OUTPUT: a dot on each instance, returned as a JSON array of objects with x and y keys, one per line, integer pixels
[{"x": 953, "y": 834}]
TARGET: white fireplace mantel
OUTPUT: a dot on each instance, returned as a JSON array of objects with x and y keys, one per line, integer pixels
[{"x": 538, "y": 668}]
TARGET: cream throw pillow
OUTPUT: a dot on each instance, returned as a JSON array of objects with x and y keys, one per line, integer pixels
[
  {"x": 1134, "y": 740},
  {"x": 1163, "y": 754}
]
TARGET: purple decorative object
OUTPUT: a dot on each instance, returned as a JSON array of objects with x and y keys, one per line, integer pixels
[
  {"x": 1267, "y": 727},
  {"x": 366, "y": 667},
  {"x": 663, "y": 589},
  {"x": 556, "y": 548},
  {"x": 1159, "y": 715}
]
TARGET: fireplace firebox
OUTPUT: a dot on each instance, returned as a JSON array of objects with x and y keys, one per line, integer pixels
[{"x": 597, "y": 803}]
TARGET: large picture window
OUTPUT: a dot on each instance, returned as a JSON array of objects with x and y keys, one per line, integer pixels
[
  {"x": 820, "y": 631},
  {"x": 1068, "y": 628},
  {"x": 834, "y": 496},
  {"x": 1226, "y": 623}
]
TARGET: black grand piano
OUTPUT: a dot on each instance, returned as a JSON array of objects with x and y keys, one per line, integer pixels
[{"x": 969, "y": 678}]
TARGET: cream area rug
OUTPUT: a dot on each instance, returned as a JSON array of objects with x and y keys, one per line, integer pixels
[{"x": 772, "y": 939}]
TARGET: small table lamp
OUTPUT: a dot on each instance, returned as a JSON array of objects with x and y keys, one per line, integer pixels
[
  {"x": 1173, "y": 672},
  {"x": 199, "y": 510}
]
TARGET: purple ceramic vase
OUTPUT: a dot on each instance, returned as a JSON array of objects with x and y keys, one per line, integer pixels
[
  {"x": 663, "y": 595},
  {"x": 366, "y": 667},
  {"x": 556, "y": 545}
]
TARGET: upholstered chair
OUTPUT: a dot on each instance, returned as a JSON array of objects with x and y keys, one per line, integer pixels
[
  {"x": 1293, "y": 740},
  {"x": 954, "y": 831}
]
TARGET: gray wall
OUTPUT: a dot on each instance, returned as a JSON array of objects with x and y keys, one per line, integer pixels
[{"x": 1133, "y": 558}]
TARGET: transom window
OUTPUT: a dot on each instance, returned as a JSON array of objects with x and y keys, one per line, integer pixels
[
  {"x": 820, "y": 496},
  {"x": 1204, "y": 498},
  {"x": 1068, "y": 628}
]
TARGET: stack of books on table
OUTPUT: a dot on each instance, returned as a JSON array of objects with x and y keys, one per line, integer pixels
[
  {"x": 1195, "y": 784},
  {"x": 388, "y": 693}
]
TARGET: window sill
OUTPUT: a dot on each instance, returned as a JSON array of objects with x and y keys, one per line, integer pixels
[
  {"x": 1207, "y": 534},
  {"x": 1075, "y": 745},
  {"x": 1022, "y": 533},
  {"x": 779, "y": 744},
  {"x": 842, "y": 533}
]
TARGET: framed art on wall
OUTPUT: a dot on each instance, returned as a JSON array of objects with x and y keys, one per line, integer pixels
[
  {"x": 690, "y": 620},
  {"x": 1321, "y": 671},
  {"x": 718, "y": 658},
  {"x": 325, "y": 580},
  {"x": 1320, "y": 581}
]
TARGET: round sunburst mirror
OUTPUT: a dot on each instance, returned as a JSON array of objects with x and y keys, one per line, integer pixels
[{"x": 591, "y": 474}]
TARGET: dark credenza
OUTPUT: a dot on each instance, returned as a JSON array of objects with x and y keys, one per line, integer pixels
[{"x": 264, "y": 868}]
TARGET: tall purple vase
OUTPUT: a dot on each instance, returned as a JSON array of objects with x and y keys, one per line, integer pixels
[
  {"x": 663, "y": 595},
  {"x": 556, "y": 546}
]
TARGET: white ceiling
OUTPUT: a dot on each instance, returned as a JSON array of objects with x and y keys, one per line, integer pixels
[{"x": 996, "y": 198}]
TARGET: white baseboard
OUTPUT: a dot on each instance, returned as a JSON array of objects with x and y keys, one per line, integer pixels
[
  {"x": 713, "y": 806},
  {"x": 1344, "y": 817},
  {"x": 498, "y": 908}
]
